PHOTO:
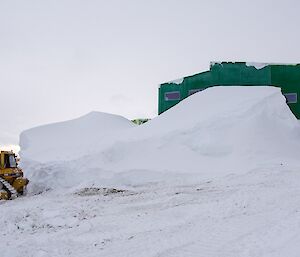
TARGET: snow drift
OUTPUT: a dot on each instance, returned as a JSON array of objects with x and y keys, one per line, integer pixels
[
  {"x": 216, "y": 132},
  {"x": 245, "y": 139},
  {"x": 71, "y": 139}
]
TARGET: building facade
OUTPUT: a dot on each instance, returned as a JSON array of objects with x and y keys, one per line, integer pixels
[{"x": 285, "y": 76}]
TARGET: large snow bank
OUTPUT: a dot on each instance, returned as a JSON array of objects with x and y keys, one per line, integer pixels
[
  {"x": 71, "y": 139},
  {"x": 216, "y": 132}
]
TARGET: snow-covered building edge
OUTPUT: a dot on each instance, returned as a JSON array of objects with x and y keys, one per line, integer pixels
[{"x": 285, "y": 76}]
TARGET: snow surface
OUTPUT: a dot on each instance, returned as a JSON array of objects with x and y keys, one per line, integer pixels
[
  {"x": 257, "y": 65},
  {"x": 246, "y": 215},
  {"x": 218, "y": 131},
  {"x": 176, "y": 81},
  {"x": 71, "y": 139},
  {"x": 216, "y": 175}
]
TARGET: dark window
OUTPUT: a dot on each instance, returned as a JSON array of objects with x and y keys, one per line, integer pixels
[
  {"x": 172, "y": 96},
  {"x": 10, "y": 161},
  {"x": 193, "y": 91},
  {"x": 291, "y": 98},
  {"x": 6, "y": 161}
]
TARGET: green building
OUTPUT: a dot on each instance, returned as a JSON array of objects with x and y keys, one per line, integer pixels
[{"x": 285, "y": 76}]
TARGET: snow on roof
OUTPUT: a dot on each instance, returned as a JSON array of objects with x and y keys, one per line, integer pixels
[
  {"x": 257, "y": 65},
  {"x": 176, "y": 81}
]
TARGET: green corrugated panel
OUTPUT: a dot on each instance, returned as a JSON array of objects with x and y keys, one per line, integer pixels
[
  {"x": 241, "y": 74},
  {"x": 288, "y": 79},
  {"x": 164, "y": 88},
  {"x": 198, "y": 81}
]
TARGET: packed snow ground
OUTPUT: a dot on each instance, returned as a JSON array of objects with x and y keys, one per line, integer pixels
[
  {"x": 217, "y": 175},
  {"x": 256, "y": 214}
]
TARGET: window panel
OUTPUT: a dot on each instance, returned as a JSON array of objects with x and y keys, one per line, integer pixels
[
  {"x": 291, "y": 98},
  {"x": 172, "y": 96}
]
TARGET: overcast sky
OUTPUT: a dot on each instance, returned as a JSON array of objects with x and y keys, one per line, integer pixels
[{"x": 60, "y": 59}]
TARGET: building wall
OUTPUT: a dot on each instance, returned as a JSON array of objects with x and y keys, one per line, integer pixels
[
  {"x": 231, "y": 74},
  {"x": 288, "y": 79}
]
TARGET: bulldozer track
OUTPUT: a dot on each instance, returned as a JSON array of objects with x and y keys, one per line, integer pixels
[{"x": 9, "y": 188}]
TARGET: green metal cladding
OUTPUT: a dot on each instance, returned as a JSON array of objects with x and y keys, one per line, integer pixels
[{"x": 285, "y": 76}]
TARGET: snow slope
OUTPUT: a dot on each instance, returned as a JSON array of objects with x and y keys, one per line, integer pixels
[
  {"x": 216, "y": 132},
  {"x": 71, "y": 139},
  {"x": 215, "y": 176}
]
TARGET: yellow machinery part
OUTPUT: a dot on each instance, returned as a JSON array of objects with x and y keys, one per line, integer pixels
[
  {"x": 3, "y": 195},
  {"x": 13, "y": 182},
  {"x": 19, "y": 184}
]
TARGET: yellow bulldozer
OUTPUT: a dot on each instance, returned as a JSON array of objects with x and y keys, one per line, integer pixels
[{"x": 12, "y": 182}]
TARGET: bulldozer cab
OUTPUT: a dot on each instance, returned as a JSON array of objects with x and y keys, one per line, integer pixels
[
  {"x": 12, "y": 181},
  {"x": 8, "y": 160}
]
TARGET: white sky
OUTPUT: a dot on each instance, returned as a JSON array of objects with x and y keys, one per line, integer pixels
[{"x": 60, "y": 59}]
